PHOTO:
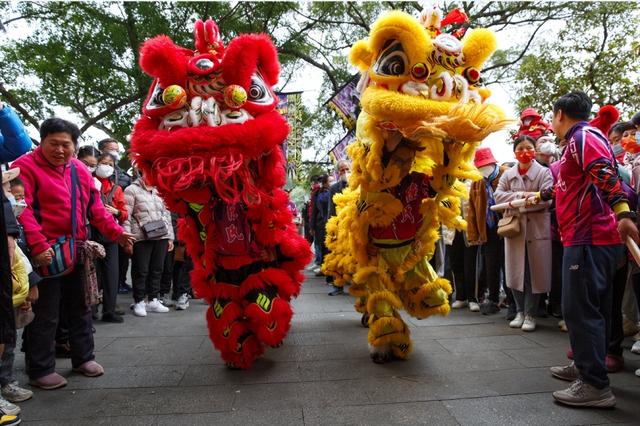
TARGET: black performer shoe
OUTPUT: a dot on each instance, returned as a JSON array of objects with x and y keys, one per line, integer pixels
[
  {"x": 365, "y": 320},
  {"x": 381, "y": 357}
]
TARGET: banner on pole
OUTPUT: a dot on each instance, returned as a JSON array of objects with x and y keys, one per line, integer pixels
[
  {"x": 339, "y": 151},
  {"x": 290, "y": 106},
  {"x": 346, "y": 102}
]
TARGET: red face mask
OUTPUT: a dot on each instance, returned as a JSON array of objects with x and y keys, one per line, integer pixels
[{"x": 525, "y": 157}]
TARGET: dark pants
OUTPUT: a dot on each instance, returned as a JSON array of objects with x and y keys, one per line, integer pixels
[
  {"x": 181, "y": 278},
  {"x": 107, "y": 270},
  {"x": 492, "y": 253},
  {"x": 617, "y": 332},
  {"x": 123, "y": 266},
  {"x": 463, "y": 266},
  {"x": 587, "y": 276},
  {"x": 41, "y": 333},
  {"x": 146, "y": 268},
  {"x": 167, "y": 273},
  {"x": 555, "y": 295}
]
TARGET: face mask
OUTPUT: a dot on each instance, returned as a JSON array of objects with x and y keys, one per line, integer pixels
[
  {"x": 487, "y": 170},
  {"x": 345, "y": 177},
  {"x": 19, "y": 207},
  {"x": 525, "y": 157},
  {"x": 92, "y": 169},
  {"x": 104, "y": 171},
  {"x": 115, "y": 154},
  {"x": 630, "y": 144}
]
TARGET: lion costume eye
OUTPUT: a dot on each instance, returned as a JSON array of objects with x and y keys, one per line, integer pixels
[
  {"x": 392, "y": 61},
  {"x": 258, "y": 91}
]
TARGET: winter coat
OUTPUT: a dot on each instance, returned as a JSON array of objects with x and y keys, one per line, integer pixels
[
  {"x": 144, "y": 205},
  {"x": 114, "y": 195},
  {"x": 476, "y": 213},
  {"x": 535, "y": 229},
  {"x": 14, "y": 140},
  {"x": 47, "y": 191},
  {"x": 123, "y": 179}
]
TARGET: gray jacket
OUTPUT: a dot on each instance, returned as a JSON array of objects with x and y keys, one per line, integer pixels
[{"x": 144, "y": 205}]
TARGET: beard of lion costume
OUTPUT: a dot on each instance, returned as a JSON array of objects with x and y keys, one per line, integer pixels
[{"x": 209, "y": 139}]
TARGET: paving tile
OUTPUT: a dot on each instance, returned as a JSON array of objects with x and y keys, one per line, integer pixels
[
  {"x": 487, "y": 343},
  {"x": 306, "y": 394},
  {"x": 98, "y": 403},
  {"x": 532, "y": 409},
  {"x": 106, "y": 421},
  {"x": 130, "y": 377},
  {"x": 263, "y": 371},
  {"x": 284, "y": 417},
  {"x": 424, "y": 413},
  {"x": 539, "y": 357}
]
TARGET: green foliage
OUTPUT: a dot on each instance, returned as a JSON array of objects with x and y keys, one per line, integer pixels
[{"x": 599, "y": 60}]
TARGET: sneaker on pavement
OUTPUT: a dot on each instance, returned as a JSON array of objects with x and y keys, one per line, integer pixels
[
  {"x": 167, "y": 301},
  {"x": 140, "y": 309},
  {"x": 636, "y": 348},
  {"x": 517, "y": 321},
  {"x": 581, "y": 394},
  {"x": 614, "y": 363},
  {"x": 183, "y": 302},
  {"x": 563, "y": 326},
  {"x": 336, "y": 291},
  {"x": 49, "y": 382},
  {"x": 14, "y": 393},
  {"x": 8, "y": 408},
  {"x": 90, "y": 369},
  {"x": 459, "y": 304},
  {"x": 638, "y": 372},
  {"x": 9, "y": 420},
  {"x": 474, "y": 306},
  {"x": 529, "y": 323},
  {"x": 156, "y": 306},
  {"x": 489, "y": 308},
  {"x": 569, "y": 372}
]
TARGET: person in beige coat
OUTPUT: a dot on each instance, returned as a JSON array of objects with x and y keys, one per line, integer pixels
[
  {"x": 150, "y": 222},
  {"x": 527, "y": 255}
]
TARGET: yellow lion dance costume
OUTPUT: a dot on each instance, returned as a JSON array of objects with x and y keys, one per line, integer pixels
[{"x": 422, "y": 118}]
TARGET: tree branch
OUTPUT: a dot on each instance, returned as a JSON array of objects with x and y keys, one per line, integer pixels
[
  {"x": 126, "y": 101},
  {"x": 313, "y": 62},
  {"x": 16, "y": 105},
  {"x": 520, "y": 56}
]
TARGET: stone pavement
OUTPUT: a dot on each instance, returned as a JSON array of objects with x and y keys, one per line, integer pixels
[{"x": 465, "y": 369}]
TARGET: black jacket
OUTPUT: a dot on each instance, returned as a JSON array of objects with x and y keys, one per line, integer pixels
[
  {"x": 8, "y": 227},
  {"x": 336, "y": 188},
  {"x": 122, "y": 178}
]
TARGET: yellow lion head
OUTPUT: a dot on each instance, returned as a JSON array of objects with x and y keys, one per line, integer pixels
[{"x": 416, "y": 74}]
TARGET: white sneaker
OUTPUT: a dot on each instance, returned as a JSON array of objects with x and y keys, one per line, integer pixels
[
  {"x": 167, "y": 301},
  {"x": 156, "y": 306},
  {"x": 636, "y": 347},
  {"x": 638, "y": 372},
  {"x": 529, "y": 323},
  {"x": 517, "y": 321},
  {"x": 474, "y": 306},
  {"x": 14, "y": 393},
  {"x": 8, "y": 408},
  {"x": 459, "y": 304},
  {"x": 140, "y": 309},
  {"x": 183, "y": 302}
]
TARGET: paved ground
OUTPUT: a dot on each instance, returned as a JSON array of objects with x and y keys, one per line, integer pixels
[{"x": 465, "y": 369}]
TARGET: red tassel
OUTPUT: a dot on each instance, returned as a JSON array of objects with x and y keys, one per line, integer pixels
[{"x": 456, "y": 16}]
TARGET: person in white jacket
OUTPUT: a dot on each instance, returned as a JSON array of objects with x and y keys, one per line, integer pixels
[{"x": 150, "y": 222}]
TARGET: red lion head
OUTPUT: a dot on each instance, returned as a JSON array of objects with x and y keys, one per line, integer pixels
[{"x": 210, "y": 116}]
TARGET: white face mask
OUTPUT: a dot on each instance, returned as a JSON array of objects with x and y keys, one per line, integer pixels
[
  {"x": 92, "y": 169},
  {"x": 487, "y": 170},
  {"x": 19, "y": 207},
  {"x": 104, "y": 170},
  {"x": 115, "y": 154},
  {"x": 345, "y": 177}
]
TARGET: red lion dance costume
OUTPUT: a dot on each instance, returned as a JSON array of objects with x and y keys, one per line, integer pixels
[{"x": 209, "y": 139}]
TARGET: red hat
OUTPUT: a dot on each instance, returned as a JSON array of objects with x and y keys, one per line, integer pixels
[
  {"x": 529, "y": 112},
  {"x": 484, "y": 157},
  {"x": 605, "y": 119}
]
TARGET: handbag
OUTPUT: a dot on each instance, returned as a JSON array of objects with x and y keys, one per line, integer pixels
[
  {"x": 155, "y": 229},
  {"x": 509, "y": 227},
  {"x": 64, "y": 248}
]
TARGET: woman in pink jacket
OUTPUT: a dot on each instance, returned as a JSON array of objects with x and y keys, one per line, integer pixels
[{"x": 47, "y": 175}]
